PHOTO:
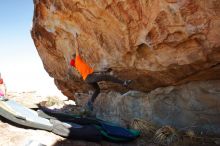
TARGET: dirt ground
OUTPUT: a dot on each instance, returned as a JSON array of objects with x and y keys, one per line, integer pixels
[{"x": 12, "y": 135}]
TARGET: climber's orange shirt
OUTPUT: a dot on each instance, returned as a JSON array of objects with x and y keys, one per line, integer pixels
[{"x": 82, "y": 67}]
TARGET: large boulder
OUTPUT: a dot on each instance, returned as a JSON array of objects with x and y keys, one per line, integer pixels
[
  {"x": 173, "y": 45},
  {"x": 155, "y": 42}
]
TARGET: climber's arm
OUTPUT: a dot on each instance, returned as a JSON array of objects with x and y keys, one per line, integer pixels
[{"x": 77, "y": 45}]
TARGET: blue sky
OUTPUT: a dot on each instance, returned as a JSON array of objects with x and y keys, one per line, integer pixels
[
  {"x": 16, "y": 19},
  {"x": 20, "y": 63}
]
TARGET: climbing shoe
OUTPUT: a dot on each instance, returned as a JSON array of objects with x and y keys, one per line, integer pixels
[{"x": 126, "y": 83}]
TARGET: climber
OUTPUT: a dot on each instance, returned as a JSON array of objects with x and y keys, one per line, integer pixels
[{"x": 91, "y": 77}]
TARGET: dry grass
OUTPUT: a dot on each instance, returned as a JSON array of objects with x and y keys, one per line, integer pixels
[
  {"x": 146, "y": 128},
  {"x": 166, "y": 135},
  {"x": 190, "y": 134},
  {"x": 191, "y": 137}
]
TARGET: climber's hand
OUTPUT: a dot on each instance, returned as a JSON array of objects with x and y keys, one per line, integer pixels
[
  {"x": 75, "y": 35},
  {"x": 73, "y": 55}
]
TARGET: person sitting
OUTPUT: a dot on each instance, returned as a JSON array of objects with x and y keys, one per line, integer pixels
[{"x": 3, "y": 88}]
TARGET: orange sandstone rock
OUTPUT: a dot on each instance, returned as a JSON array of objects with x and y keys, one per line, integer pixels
[{"x": 153, "y": 42}]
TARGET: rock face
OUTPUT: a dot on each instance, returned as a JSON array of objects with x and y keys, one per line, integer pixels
[
  {"x": 194, "y": 106},
  {"x": 156, "y": 43},
  {"x": 153, "y": 42}
]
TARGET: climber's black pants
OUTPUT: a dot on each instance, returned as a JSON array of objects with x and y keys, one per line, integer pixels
[{"x": 94, "y": 78}]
